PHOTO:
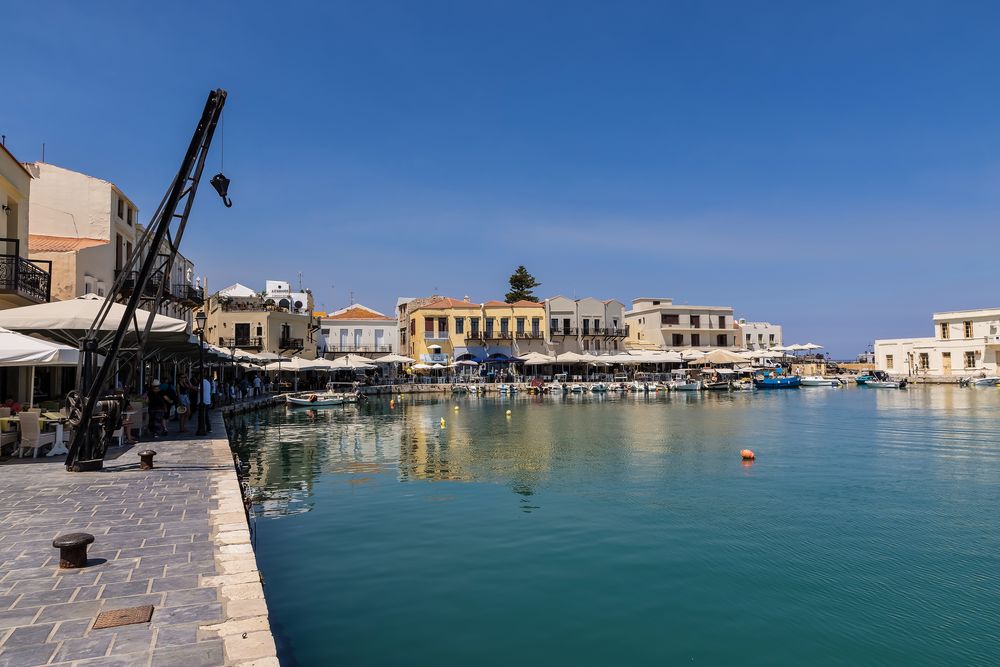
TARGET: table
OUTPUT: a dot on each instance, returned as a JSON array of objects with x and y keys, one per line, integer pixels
[{"x": 58, "y": 448}]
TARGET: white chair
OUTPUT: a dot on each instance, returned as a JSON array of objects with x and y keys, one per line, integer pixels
[
  {"x": 31, "y": 434},
  {"x": 4, "y": 412}
]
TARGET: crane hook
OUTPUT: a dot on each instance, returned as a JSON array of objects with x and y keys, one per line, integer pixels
[{"x": 221, "y": 185}]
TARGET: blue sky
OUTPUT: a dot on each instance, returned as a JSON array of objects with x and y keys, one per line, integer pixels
[{"x": 829, "y": 166}]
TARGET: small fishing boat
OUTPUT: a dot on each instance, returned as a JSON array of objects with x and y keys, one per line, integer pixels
[
  {"x": 599, "y": 388},
  {"x": 886, "y": 384},
  {"x": 865, "y": 377},
  {"x": 990, "y": 381},
  {"x": 577, "y": 388},
  {"x": 315, "y": 399},
  {"x": 459, "y": 389},
  {"x": 689, "y": 385},
  {"x": 778, "y": 382},
  {"x": 819, "y": 381},
  {"x": 716, "y": 385},
  {"x": 638, "y": 387},
  {"x": 742, "y": 385}
]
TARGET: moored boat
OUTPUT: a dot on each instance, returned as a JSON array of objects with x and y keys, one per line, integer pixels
[
  {"x": 819, "y": 381},
  {"x": 990, "y": 381},
  {"x": 690, "y": 385},
  {"x": 779, "y": 382},
  {"x": 716, "y": 385},
  {"x": 599, "y": 388},
  {"x": 882, "y": 380},
  {"x": 314, "y": 399}
]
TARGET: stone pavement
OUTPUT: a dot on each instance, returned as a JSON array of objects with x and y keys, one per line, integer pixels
[{"x": 175, "y": 537}]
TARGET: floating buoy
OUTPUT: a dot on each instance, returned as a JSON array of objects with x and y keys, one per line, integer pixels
[
  {"x": 748, "y": 455},
  {"x": 392, "y": 404},
  {"x": 442, "y": 422},
  {"x": 508, "y": 413},
  {"x": 400, "y": 397},
  {"x": 456, "y": 408}
]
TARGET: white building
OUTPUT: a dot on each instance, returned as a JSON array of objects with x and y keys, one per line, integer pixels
[
  {"x": 759, "y": 335},
  {"x": 660, "y": 324},
  {"x": 585, "y": 325},
  {"x": 356, "y": 329},
  {"x": 965, "y": 343},
  {"x": 282, "y": 294}
]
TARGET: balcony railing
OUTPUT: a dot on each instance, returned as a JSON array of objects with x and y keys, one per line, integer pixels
[
  {"x": 247, "y": 343},
  {"x": 291, "y": 343},
  {"x": 23, "y": 277},
  {"x": 474, "y": 335},
  {"x": 152, "y": 285},
  {"x": 531, "y": 335},
  {"x": 190, "y": 295},
  {"x": 331, "y": 349},
  {"x": 497, "y": 335}
]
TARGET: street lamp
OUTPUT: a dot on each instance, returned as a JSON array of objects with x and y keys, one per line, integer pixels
[{"x": 200, "y": 319}]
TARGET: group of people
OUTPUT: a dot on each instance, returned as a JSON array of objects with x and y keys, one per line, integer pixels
[{"x": 166, "y": 401}]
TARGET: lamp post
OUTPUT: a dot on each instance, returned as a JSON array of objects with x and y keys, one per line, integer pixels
[{"x": 201, "y": 318}]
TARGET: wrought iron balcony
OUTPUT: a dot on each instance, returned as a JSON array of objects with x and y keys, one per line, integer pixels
[
  {"x": 190, "y": 295},
  {"x": 332, "y": 349},
  {"x": 531, "y": 335},
  {"x": 291, "y": 343},
  {"x": 25, "y": 278},
  {"x": 243, "y": 343},
  {"x": 497, "y": 335},
  {"x": 152, "y": 285}
]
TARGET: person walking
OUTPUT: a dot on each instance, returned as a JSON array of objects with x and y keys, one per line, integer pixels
[
  {"x": 184, "y": 388},
  {"x": 206, "y": 399},
  {"x": 157, "y": 403}
]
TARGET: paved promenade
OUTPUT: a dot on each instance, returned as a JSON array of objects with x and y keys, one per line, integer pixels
[{"x": 174, "y": 537}]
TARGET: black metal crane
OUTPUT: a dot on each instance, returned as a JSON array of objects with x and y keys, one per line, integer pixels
[{"x": 96, "y": 408}]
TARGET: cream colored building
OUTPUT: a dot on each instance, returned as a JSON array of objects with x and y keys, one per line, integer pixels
[
  {"x": 660, "y": 324},
  {"x": 965, "y": 343},
  {"x": 759, "y": 335},
  {"x": 356, "y": 329},
  {"x": 239, "y": 318},
  {"x": 585, "y": 325},
  {"x": 88, "y": 228}
]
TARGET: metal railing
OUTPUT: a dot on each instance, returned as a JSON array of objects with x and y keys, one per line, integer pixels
[
  {"x": 190, "y": 294},
  {"x": 240, "y": 342},
  {"x": 291, "y": 343},
  {"x": 358, "y": 348},
  {"x": 24, "y": 277}
]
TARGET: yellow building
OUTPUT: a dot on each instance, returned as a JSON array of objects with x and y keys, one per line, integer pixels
[{"x": 444, "y": 330}]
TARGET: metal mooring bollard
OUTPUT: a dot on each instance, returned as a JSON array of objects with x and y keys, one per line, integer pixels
[
  {"x": 73, "y": 549},
  {"x": 146, "y": 459}
]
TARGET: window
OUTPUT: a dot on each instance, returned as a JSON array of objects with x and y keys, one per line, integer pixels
[
  {"x": 586, "y": 326},
  {"x": 888, "y": 361},
  {"x": 88, "y": 287},
  {"x": 121, "y": 208},
  {"x": 520, "y": 326},
  {"x": 459, "y": 325},
  {"x": 489, "y": 326},
  {"x": 566, "y": 326},
  {"x": 925, "y": 361},
  {"x": 413, "y": 327},
  {"x": 260, "y": 331},
  {"x": 722, "y": 321},
  {"x": 357, "y": 339},
  {"x": 770, "y": 338},
  {"x": 130, "y": 211},
  {"x": 722, "y": 340},
  {"x": 748, "y": 339},
  {"x": 428, "y": 325},
  {"x": 695, "y": 340},
  {"x": 597, "y": 325},
  {"x": 656, "y": 303},
  {"x": 677, "y": 340},
  {"x": 597, "y": 344},
  {"x": 970, "y": 359},
  {"x": 536, "y": 326},
  {"x": 325, "y": 332},
  {"x": 968, "y": 329},
  {"x": 553, "y": 325},
  {"x": 442, "y": 326},
  {"x": 504, "y": 325},
  {"x": 696, "y": 321},
  {"x": 615, "y": 343},
  {"x": 586, "y": 344},
  {"x": 474, "y": 325},
  {"x": 343, "y": 339},
  {"x": 945, "y": 335},
  {"x": 614, "y": 324},
  {"x": 670, "y": 319}
]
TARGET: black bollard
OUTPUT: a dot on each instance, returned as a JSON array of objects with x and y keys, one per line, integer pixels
[{"x": 73, "y": 549}]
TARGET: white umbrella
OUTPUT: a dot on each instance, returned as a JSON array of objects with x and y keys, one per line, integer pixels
[
  {"x": 421, "y": 367},
  {"x": 353, "y": 361},
  {"x": 70, "y": 320},
  {"x": 572, "y": 358},
  {"x": 466, "y": 362},
  {"x": 436, "y": 366},
  {"x": 796, "y": 347},
  {"x": 269, "y": 356},
  {"x": 688, "y": 355},
  {"x": 393, "y": 359},
  {"x": 718, "y": 357},
  {"x": 20, "y": 350},
  {"x": 812, "y": 346}
]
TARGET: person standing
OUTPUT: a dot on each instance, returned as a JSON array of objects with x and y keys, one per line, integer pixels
[
  {"x": 206, "y": 399},
  {"x": 157, "y": 404},
  {"x": 257, "y": 385},
  {"x": 184, "y": 388}
]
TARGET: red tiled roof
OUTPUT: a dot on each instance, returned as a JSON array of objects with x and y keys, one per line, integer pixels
[
  {"x": 357, "y": 313},
  {"x": 446, "y": 302},
  {"x": 517, "y": 304},
  {"x": 46, "y": 243}
]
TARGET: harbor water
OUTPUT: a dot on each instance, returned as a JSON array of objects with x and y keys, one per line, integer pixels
[{"x": 612, "y": 530}]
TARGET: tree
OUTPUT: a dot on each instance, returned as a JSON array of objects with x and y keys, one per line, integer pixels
[{"x": 521, "y": 284}]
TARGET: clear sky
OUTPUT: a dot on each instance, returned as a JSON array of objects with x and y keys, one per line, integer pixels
[{"x": 830, "y": 166}]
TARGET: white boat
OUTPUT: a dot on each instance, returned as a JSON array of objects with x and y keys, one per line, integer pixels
[
  {"x": 991, "y": 381},
  {"x": 599, "y": 388},
  {"x": 315, "y": 399},
  {"x": 819, "y": 381},
  {"x": 886, "y": 384},
  {"x": 639, "y": 387},
  {"x": 690, "y": 385},
  {"x": 508, "y": 389},
  {"x": 577, "y": 388}
]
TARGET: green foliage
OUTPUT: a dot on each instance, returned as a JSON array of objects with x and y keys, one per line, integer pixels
[{"x": 521, "y": 285}]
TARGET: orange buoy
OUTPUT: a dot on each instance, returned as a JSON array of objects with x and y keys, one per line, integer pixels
[
  {"x": 748, "y": 455},
  {"x": 392, "y": 404}
]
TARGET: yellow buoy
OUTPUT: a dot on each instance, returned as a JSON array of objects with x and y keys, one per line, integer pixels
[
  {"x": 442, "y": 422},
  {"x": 392, "y": 404},
  {"x": 456, "y": 407},
  {"x": 508, "y": 413}
]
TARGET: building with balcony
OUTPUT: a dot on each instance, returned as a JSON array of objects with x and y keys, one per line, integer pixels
[
  {"x": 759, "y": 335},
  {"x": 660, "y": 324},
  {"x": 240, "y": 318},
  {"x": 89, "y": 229},
  {"x": 23, "y": 281},
  {"x": 443, "y": 330},
  {"x": 356, "y": 329},
  {"x": 585, "y": 325},
  {"x": 965, "y": 343}
]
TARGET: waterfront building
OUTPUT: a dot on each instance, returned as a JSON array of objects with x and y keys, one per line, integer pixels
[
  {"x": 273, "y": 320},
  {"x": 356, "y": 329},
  {"x": 660, "y": 324},
  {"x": 965, "y": 343},
  {"x": 444, "y": 330},
  {"x": 759, "y": 335},
  {"x": 585, "y": 325},
  {"x": 89, "y": 229},
  {"x": 23, "y": 281}
]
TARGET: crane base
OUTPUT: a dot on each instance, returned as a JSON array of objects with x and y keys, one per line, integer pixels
[{"x": 86, "y": 466}]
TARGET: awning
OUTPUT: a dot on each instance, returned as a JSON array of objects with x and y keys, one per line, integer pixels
[{"x": 470, "y": 353}]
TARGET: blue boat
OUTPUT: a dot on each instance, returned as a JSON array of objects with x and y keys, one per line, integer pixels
[
  {"x": 863, "y": 378},
  {"x": 787, "y": 382}
]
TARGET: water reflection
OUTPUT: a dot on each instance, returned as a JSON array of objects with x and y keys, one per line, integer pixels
[{"x": 565, "y": 441}]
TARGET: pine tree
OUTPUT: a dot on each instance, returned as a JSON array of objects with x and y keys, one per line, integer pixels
[{"x": 521, "y": 284}]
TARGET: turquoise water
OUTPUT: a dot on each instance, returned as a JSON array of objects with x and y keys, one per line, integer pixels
[{"x": 613, "y": 530}]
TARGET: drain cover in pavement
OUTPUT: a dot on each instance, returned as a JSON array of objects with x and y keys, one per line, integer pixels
[{"x": 115, "y": 617}]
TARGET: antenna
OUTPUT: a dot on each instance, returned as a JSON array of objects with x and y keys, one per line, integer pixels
[
  {"x": 43, "y": 151},
  {"x": 351, "y": 292},
  {"x": 300, "y": 281}
]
